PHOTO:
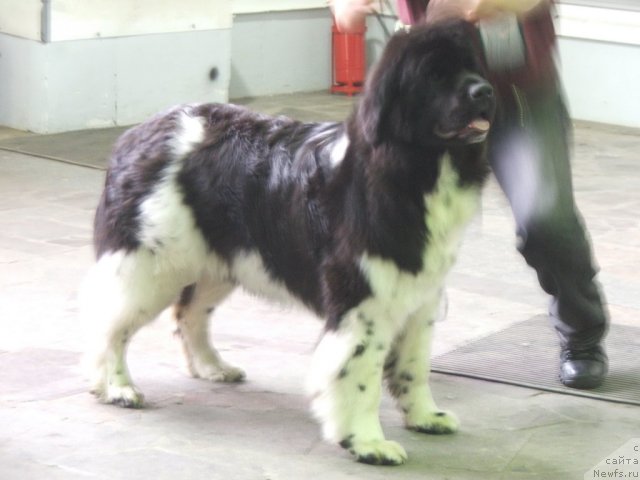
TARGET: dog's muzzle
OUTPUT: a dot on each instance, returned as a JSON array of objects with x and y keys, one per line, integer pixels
[
  {"x": 483, "y": 100},
  {"x": 479, "y": 96}
]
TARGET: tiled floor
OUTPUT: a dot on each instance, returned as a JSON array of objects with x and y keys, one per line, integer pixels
[{"x": 53, "y": 429}]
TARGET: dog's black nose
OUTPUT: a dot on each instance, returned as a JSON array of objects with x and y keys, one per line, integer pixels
[{"x": 480, "y": 91}]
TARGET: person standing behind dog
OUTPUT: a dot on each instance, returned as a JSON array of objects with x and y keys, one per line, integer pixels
[{"x": 529, "y": 154}]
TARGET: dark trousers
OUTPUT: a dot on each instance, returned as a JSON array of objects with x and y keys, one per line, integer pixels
[{"x": 529, "y": 153}]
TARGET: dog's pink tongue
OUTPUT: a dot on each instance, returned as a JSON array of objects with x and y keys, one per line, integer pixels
[{"x": 480, "y": 125}]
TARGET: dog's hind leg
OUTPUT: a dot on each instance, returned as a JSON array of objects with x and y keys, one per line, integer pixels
[
  {"x": 192, "y": 313},
  {"x": 345, "y": 384},
  {"x": 122, "y": 293},
  {"x": 407, "y": 372}
]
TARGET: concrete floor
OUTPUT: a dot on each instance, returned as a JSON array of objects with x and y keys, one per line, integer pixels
[{"x": 53, "y": 429}]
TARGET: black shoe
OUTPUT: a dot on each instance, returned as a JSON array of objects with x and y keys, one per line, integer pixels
[{"x": 583, "y": 369}]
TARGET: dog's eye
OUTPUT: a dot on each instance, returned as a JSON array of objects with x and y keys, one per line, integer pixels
[{"x": 442, "y": 76}]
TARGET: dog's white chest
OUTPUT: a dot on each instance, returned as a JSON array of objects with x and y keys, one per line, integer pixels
[{"x": 449, "y": 209}]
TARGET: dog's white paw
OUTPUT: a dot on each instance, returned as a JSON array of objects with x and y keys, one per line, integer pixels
[
  {"x": 376, "y": 452},
  {"x": 436, "y": 422},
  {"x": 217, "y": 372},
  {"x": 126, "y": 396}
]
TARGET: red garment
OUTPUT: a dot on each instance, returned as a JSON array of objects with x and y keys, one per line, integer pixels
[{"x": 411, "y": 12}]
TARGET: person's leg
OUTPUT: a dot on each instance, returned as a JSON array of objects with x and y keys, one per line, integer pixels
[{"x": 529, "y": 153}]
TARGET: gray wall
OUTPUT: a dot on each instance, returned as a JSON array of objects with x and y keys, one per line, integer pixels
[
  {"x": 71, "y": 85},
  {"x": 98, "y": 82},
  {"x": 284, "y": 52},
  {"x": 602, "y": 80},
  {"x": 280, "y": 52}
]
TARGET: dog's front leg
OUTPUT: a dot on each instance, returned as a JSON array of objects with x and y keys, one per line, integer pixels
[
  {"x": 407, "y": 372},
  {"x": 345, "y": 385}
]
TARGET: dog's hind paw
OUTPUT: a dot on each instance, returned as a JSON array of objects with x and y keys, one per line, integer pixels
[
  {"x": 437, "y": 422},
  {"x": 126, "y": 396},
  {"x": 217, "y": 372},
  {"x": 376, "y": 452}
]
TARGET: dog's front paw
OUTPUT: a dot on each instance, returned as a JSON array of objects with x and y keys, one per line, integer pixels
[
  {"x": 126, "y": 396},
  {"x": 217, "y": 372},
  {"x": 376, "y": 452},
  {"x": 436, "y": 422}
]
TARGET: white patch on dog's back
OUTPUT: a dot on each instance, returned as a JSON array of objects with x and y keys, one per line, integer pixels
[
  {"x": 449, "y": 209},
  {"x": 167, "y": 225},
  {"x": 339, "y": 150},
  {"x": 190, "y": 132}
]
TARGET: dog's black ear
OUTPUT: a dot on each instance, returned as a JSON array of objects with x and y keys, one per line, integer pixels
[{"x": 382, "y": 90}]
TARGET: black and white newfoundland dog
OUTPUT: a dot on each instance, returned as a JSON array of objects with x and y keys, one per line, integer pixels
[{"x": 358, "y": 221}]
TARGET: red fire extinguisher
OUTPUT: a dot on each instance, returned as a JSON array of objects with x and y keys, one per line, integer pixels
[{"x": 348, "y": 65}]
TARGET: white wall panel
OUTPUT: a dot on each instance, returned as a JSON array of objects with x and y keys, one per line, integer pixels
[
  {"x": 257, "y": 6},
  {"x": 82, "y": 19},
  {"x": 607, "y": 25},
  {"x": 601, "y": 81},
  {"x": 21, "y": 18},
  {"x": 62, "y": 86},
  {"x": 280, "y": 52}
]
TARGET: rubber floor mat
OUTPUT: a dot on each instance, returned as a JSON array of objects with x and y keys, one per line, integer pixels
[
  {"x": 526, "y": 354},
  {"x": 88, "y": 148}
]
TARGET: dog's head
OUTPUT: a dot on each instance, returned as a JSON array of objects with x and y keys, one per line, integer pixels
[{"x": 428, "y": 89}]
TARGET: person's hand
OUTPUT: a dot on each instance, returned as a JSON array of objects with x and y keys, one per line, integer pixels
[
  {"x": 350, "y": 15},
  {"x": 474, "y": 10}
]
